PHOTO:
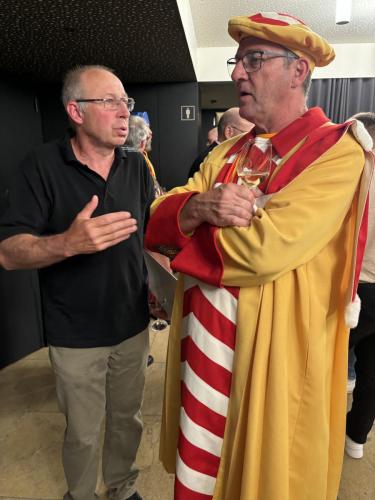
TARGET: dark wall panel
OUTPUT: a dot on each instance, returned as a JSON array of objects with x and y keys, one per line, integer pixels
[
  {"x": 20, "y": 319},
  {"x": 54, "y": 118},
  {"x": 21, "y": 125},
  {"x": 178, "y": 138},
  {"x": 175, "y": 141}
]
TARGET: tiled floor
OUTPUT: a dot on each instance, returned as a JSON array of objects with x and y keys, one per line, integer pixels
[{"x": 31, "y": 431}]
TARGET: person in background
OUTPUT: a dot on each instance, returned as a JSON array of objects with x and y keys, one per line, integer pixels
[
  {"x": 255, "y": 390},
  {"x": 361, "y": 416},
  {"x": 139, "y": 139},
  {"x": 77, "y": 212},
  {"x": 230, "y": 125}
]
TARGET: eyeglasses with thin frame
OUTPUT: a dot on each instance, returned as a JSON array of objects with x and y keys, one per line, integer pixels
[
  {"x": 112, "y": 103},
  {"x": 252, "y": 61}
]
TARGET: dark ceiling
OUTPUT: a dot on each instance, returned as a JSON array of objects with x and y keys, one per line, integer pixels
[{"x": 142, "y": 40}]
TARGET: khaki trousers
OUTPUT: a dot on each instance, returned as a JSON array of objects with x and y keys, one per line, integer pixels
[{"x": 90, "y": 384}]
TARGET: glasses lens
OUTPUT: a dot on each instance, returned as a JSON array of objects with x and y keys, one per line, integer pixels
[
  {"x": 114, "y": 104},
  {"x": 110, "y": 103},
  {"x": 251, "y": 62}
]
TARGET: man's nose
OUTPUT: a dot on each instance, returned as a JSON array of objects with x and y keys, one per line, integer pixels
[
  {"x": 239, "y": 72},
  {"x": 123, "y": 110}
]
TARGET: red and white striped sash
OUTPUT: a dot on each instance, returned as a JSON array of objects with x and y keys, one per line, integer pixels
[{"x": 207, "y": 349}]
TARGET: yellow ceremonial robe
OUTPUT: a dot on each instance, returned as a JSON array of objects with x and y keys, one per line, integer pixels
[{"x": 285, "y": 428}]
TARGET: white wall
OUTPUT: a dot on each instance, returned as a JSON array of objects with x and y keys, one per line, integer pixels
[
  {"x": 352, "y": 60},
  {"x": 188, "y": 25}
]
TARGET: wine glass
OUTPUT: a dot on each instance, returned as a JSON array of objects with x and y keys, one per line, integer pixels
[
  {"x": 159, "y": 324},
  {"x": 254, "y": 161}
]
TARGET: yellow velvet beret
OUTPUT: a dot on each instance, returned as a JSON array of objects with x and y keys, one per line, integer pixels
[{"x": 285, "y": 30}]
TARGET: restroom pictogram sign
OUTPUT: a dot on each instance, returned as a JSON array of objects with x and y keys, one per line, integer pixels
[{"x": 188, "y": 113}]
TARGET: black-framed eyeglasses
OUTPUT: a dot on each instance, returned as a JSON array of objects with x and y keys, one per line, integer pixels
[
  {"x": 252, "y": 61},
  {"x": 112, "y": 103}
]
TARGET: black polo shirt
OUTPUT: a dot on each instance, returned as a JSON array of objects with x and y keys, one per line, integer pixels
[{"x": 90, "y": 300}]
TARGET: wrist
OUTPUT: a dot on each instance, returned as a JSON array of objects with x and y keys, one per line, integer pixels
[
  {"x": 62, "y": 241},
  {"x": 189, "y": 218}
]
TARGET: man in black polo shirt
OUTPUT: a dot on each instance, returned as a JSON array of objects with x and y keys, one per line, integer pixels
[{"x": 77, "y": 213}]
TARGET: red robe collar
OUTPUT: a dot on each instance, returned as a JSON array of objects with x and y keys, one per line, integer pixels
[{"x": 290, "y": 136}]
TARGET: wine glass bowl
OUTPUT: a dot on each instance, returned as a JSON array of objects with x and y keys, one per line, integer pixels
[
  {"x": 160, "y": 323},
  {"x": 253, "y": 164}
]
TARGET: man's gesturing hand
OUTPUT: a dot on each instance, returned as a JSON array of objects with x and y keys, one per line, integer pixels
[
  {"x": 226, "y": 205},
  {"x": 92, "y": 234}
]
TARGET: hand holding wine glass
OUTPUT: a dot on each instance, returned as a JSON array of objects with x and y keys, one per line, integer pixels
[{"x": 253, "y": 164}]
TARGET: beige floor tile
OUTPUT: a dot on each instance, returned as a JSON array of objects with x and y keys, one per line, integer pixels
[
  {"x": 358, "y": 476},
  {"x": 155, "y": 484},
  {"x": 148, "y": 452},
  {"x": 152, "y": 403},
  {"x": 31, "y": 433},
  {"x": 39, "y": 354},
  {"x": 28, "y": 385},
  {"x": 30, "y": 462},
  {"x": 152, "y": 337},
  {"x": 159, "y": 346},
  {"x": 9, "y": 422}
]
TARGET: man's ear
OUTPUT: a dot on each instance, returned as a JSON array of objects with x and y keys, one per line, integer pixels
[
  {"x": 301, "y": 70},
  {"x": 75, "y": 113},
  {"x": 143, "y": 144},
  {"x": 228, "y": 132}
]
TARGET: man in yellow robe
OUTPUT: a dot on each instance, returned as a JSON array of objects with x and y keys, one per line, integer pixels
[{"x": 255, "y": 392}]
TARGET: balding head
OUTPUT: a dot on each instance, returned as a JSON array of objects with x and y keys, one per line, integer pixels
[
  {"x": 74, "y": 81},
  {"x": 231, "y": 124}
]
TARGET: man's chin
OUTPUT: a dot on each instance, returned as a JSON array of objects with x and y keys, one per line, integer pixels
[
  {"x": 119, "y": 140},
  {"x": 245, "y": 113}
]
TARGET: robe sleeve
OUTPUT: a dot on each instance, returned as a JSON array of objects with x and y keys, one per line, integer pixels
[
  {"x": 293, "y": 227},
  {"x": 297, "y": 222},
  {"x": 163, "y": 231}
]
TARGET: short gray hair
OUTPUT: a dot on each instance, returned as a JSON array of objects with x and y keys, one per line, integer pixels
[
  {"x": 307, "y": 84},
  {"x": 292, "y": 56},
  {"x": 72, "y": 87},
  {"x": 138, "y": 132}
]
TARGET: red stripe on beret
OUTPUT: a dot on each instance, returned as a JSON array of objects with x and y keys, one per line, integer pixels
[{"x": 259, "y": 18}]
